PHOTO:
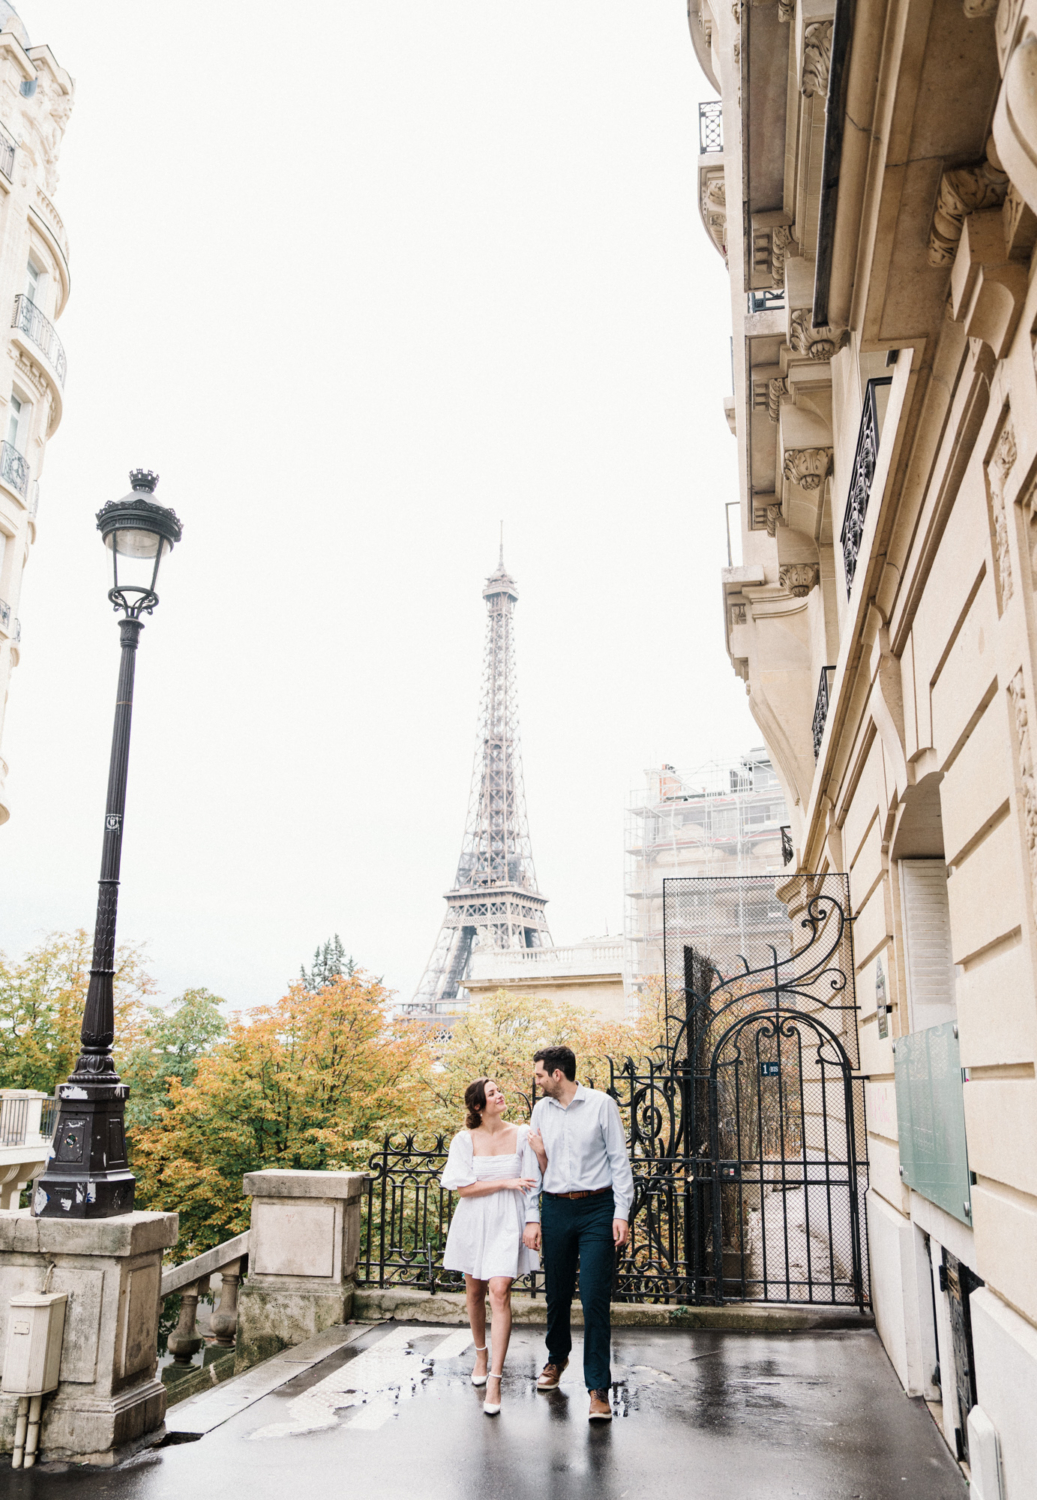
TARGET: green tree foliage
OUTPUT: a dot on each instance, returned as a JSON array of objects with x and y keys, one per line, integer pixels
[
  {"x": 168, "y": 1044},
  {"x": 329, "y": 963}
]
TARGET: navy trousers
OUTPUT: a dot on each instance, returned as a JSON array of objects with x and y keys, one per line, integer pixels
[{"x": 577, "y": 1233}]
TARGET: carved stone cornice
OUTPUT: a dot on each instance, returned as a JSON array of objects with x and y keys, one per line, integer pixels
[
  {"x": 817, "y": 58},
  {"x": 815, "y": 343},
  {"x": 807, "y": 467},
  {"x": 1017, "y": 693},
  {"x": 963, "y": 190},
  {"x": 799, "y": 578}
]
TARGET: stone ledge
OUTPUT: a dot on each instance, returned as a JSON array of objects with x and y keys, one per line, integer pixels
[
  {"x": 135, "y": 1233},
  {"x": 407, "y": 1304},
  {"x": 282, "y": 1182}
]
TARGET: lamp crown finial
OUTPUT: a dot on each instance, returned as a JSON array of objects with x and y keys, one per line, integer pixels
[{"x": 143, "y": 479}]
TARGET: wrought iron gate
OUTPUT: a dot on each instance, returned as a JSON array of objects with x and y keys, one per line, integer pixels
[{"x": 747, "y": 1133}]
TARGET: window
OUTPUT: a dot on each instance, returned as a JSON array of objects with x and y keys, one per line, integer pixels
[
  {"x": 927, "y": 942},
  {"x": 33, "y": 278},
  {"x": 17, "y": 421}
]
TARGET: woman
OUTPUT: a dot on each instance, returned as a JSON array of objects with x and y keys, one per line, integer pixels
[{"x": 485, "y": 1169}]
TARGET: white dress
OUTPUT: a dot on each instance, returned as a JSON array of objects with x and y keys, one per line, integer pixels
[{"x": 485, "y": 1236}]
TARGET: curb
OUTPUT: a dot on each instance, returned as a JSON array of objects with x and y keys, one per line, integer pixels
[{"x": 406, "y": 1304}]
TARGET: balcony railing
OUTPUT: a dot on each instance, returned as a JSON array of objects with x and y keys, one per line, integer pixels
[
  {"x": 14, "y": 470},
  {"x": 821, "y": 707},
  {"x": 711, "y": 127},
  {"x": 864, "y": 463},
  {"x": 27, "y": 1120},
  {"x": 5, "y": 615},
  {"x": 7, "y": 157},
  {"x": 40, "y": 330},
  {"x": 772, "y": 299},
  {"x": 788, "y": 852}
]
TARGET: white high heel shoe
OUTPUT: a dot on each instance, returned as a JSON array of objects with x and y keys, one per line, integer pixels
[
  {"x": 479, "y": 1379},
  {"x": 489, "y": 1407}
]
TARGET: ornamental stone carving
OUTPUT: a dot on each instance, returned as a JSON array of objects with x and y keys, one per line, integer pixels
[
  {"x": 798, "y": 578},
  {"x": 815, "y": 343},
  {"x": 998, "y": 469},
  {"x": 807, "y": 467},
  {"x": 781, "y": 239},
  {"x": 775, "y": 390},
  {"x": 714, "y": 207},
  {"x": 1017, "y": 696},
  {"x": 974, "y": 9},
  {"x": 786, "y": 9},
  {"x": 771, "y": 519},
  {"x": 962, "y": 192},
  {"x": 817, "y": 57},
  {"x": 738, "y": 614}
]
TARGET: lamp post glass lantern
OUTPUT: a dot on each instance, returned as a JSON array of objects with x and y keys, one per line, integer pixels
[{"x": 88, "y": 1176}]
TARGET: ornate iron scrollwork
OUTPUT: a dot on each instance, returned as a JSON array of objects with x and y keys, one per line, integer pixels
[{"x": 864, "y": 463}]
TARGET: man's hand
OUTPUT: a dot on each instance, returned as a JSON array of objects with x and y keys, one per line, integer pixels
[
  {"x": 620, "y": 1232},
  {"x": 531, "y": 1236}
]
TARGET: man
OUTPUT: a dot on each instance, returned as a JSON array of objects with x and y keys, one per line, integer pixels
[{"x": 588, "y": 1188}]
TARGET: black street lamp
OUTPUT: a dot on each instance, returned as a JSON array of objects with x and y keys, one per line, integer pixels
[{"x": 88, "y": 1176}]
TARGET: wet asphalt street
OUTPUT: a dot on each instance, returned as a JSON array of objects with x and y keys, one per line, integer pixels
[{"x": 394, "y": 1417}]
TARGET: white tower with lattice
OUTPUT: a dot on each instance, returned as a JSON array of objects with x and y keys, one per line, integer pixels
[{"x": 494, "y": 902}]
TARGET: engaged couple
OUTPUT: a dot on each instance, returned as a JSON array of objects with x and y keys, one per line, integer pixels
[{"x": 572, "y": 1158}]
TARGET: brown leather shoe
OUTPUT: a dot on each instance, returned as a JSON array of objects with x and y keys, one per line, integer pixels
[
  {"x": 551, "y": 1375},
  {"x": 600, "y": 1410}
]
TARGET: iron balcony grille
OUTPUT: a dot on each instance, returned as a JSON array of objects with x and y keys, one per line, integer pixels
[
  {"x": 864, "y": 463},
  {"x": 787, "y": 850},
  {"x": 7, "y": 158},
  {"x": 40, "y": 330},
  {"x": 821, "y": 707},
  {"x": 772, "y": 299},
  {"x": 711, "y": 127},
  {"x": 13, "y": 469},
  {"x": 5, "y": 615}
]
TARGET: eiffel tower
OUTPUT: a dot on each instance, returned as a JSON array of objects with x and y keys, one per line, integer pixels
[{"x": 494, "y": 901}]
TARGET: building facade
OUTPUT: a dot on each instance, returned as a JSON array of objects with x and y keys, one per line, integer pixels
[
  {"x": 35, "y": 103},
  {"x": 719, "y": 820},
  {"x": 869, "y": 174},
  {"x": 588, "y": 974}
]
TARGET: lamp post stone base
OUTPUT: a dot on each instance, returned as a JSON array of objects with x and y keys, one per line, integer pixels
[
  {"x": 303, "y": 1248},
  {"x": 109, "y": 1401}
]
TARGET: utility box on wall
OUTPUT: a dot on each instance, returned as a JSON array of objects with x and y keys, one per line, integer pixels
[{"x": 32, "y": 1359}]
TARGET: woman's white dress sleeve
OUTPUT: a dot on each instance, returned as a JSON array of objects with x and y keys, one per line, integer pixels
[{"x": 460, "y": 1163}]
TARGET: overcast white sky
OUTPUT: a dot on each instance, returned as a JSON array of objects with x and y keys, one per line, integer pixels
[{"x": 359, "y": 280}]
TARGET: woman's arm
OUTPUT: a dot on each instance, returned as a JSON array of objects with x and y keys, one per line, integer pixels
[{"x": 495, "y": 1185}]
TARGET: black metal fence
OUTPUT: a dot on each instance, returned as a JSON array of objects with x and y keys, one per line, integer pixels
[{"x": 745, "y": 1130}]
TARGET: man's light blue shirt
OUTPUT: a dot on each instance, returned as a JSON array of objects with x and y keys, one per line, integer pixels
[{"x": 586, "y": 1150}]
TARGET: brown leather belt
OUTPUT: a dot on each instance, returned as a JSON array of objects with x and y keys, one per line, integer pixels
[{"x": 590, "y": 1193}]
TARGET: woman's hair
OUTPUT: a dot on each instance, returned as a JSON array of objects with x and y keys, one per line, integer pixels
[{"x": 475, "y": 1102}]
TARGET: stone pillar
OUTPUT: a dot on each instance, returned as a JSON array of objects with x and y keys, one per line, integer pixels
[
  {"x": 109, "y": 1401},
  {"x": 302, "y": 1255}
]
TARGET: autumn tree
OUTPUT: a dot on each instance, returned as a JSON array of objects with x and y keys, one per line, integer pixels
[
  {"x": 314, "y": 1081},
  {"x": 41, "y": 1008},
  {"x": 168, "y": 1043}
]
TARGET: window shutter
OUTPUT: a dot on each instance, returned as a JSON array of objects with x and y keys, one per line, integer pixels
[{"x": 927, "y": 942}]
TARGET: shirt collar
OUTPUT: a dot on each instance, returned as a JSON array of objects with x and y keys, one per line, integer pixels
[{"x": 580, "y": 1094}]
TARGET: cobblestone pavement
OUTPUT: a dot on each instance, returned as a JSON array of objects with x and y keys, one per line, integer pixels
[{"x": 394, "y": 1417}]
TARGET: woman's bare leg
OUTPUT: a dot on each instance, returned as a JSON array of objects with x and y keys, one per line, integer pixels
[
  {"x": 500, "y": 1303},
  {"x": 475, "y": 1297}
]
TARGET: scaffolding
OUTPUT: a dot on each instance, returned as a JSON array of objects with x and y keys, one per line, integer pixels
[{"x": 725, "y": 818}]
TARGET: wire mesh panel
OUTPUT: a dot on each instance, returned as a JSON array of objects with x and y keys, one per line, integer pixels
[{"x": 747, "y": 1134}]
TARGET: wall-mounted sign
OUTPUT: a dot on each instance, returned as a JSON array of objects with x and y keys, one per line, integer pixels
[
  {"x": 881, "y": 1003},
  {"x": 770, "y": 1069}
]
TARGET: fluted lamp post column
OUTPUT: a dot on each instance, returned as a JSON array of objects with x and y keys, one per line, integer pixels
[{"x": 89, "y": 1177}]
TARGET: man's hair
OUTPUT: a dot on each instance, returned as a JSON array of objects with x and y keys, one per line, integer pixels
[{"x": 557, "y": 1060}]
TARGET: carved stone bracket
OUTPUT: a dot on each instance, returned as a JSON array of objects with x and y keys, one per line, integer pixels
[
  {"x": 786, "y": 9},
  {"x": 815, "y": 343},
  {"x": 772, "y": 519},
  {"x": 807, "y": 467},
  {"x": 714, "y": 206},
  {"x": 999, "y": 467},
  {"x": 798, "y": 578},
  {"x": 974, "y": 9},
  {"x": 962, "y": 191},
  {"x": 817, "y": 57},
  {"x": 776, "y": 389}
]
